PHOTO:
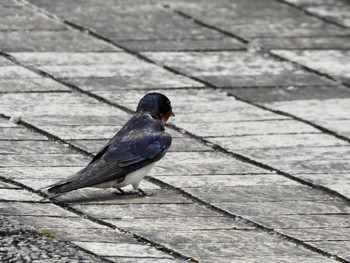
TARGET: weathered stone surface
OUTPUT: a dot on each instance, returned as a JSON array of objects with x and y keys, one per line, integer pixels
[
  {"x": 25, "y": 18},
  {"x": 337, "y": 11},
  {"x": 288, "y": 93},
  {"x": 38, "y": 160},
  {"x": 332, "y": 62},
  {"x": 16, "y": 194},
  {"x": 109, "y": 196},
  {"x": 6, "y": 186},
  {"x": 217, "y": 68},
  {"x": 267, "y": 259},
  {"x": 335, "y": 42},
  {"x": 300, "y": 153},
  {"x": 238, "y": 143},
  {"x": 180, "y": 224},
  {"x": 33, "y": 209},
  {"x": 216, "y": 180},
  {"x": 15, "y": 72},
  {"x": 318, "y": 234},
  {"x": 285, "y": 208},
  {"x": 30, "y": 172},
  {"x": 248, "y": 128},
  {"x": 31, "y": 85},
  {"x": 32, "y": 147},
  {"x": 258, "y": 19},
  {"x": 205, "y": 44},
  {"x": 257, "y": 193},
  {"x": 46, "y": 222},
  {"x": 51, "y": 41},
  {"x": 303, "y": 221},
  {"x": 91, "y": 235},
  {"x": 19, "y": 133},
  {"x": 142, "y": 260},
  {"x": 339, "y": 248},
  {"x": 144, "y": 210},
  {"x": 124, "y": 250},
  {"x": 203, "y": 250},
  {"x": 211, "y": 236}
]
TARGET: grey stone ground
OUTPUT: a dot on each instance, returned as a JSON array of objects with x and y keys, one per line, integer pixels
[{"x": 259, "y": 167}]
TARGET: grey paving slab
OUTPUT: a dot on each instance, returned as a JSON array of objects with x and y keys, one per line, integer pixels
[
  {"x": 110, "y": 197},
  {"x": 332, "y": 62},
  {"x": 335, "y": 42},
  {"x": 32, "y": 147},
  {"x": 16, "y": 194},
  {"x": 19, "y": 133},
  {"x": 29, "y": 85},
  {"x": 144, "y": 211},
  {"x": 51, "y": 41},
  {"x": 142, "y": 260},
  {"x": 303, "y": 221},
  {"x": 180, "y": 224},
  {"x": 277, "y": 141},
  {"x": 125, "y": 250},
  {"x": 203, "y": 250},
  {"x": 337, "y": 11},
  {"x": 229, "y": 129},
  {"x": 202, "y": 163},
  {"x": 318, "y": 234},
  {"x": 37, "y": 160},
  {"x": 235, "y": 69},
  {"x": 289, "y": 93},
  {"x": 15, "y": 72},
  {"x": 267, "y": 259},
  {"x": 334, "y": 247},
  {"x": 300, "y": 153},
  {"x": 28, "y": 172},
  {"x": 117, "y": 65},
  {"x": 7, "y": 3},
  {"x": 257, "y": 193},
  {"x": 33, "y": 209},
  {"x": 249, "y": 19},
  {"x": 24, "y": 18},
  {"x": 285, "y": 208},
  {"x": 215, "y": 180},
  {"x": 7, "y": 186}
]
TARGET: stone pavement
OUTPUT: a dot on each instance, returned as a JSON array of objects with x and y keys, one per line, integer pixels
[{"x": 259, "y": 169}]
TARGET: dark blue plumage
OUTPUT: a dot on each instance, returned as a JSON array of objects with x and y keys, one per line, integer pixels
[{"x": 127, "y": 156}]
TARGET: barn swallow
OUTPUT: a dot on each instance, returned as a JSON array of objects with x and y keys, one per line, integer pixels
[{"x": 130, "y": 154}]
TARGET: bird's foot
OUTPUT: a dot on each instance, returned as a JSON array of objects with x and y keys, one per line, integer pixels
[
  {"x": 122, "y": 192},
  {"x": 143, "y": 193}
]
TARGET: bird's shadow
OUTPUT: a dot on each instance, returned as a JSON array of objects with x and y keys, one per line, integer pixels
[{"x": 97, "y": 196}]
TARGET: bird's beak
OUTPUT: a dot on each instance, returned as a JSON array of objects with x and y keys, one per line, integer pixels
[{"x": 172, "y": 113}]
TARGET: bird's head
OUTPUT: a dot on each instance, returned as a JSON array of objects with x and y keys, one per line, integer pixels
[{"x": 157, "y": 104}]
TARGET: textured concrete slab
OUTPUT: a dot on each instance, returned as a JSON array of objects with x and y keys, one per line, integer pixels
[
  {"x": 332, "y": 62},
  {"x": 55, "y": 41},
  {"x": 217, "y": 68},
  {"x": 317, "y": 234},
  {"x": 29, "y": 85},
  {"x": 252, "y": 22}
]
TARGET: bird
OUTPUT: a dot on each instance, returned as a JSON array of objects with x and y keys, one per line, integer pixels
[{"x": 129, "y": 155}]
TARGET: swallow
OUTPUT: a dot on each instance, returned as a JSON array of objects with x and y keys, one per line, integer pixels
[{"x": 130, "y": 154}]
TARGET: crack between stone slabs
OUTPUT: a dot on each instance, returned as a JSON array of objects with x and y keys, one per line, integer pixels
[
  {"x": 324, "y": 19},
  {"x": 68, "y": 207},
  {"x": 249, "y": 222}
]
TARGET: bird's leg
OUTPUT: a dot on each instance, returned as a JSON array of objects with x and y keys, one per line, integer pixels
[
  {"x": 143, "y": 193},
  {"x": 122, "y": 192}
]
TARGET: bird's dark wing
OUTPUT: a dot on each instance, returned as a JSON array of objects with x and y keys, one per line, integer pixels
[{"x": 135, "y": 150}]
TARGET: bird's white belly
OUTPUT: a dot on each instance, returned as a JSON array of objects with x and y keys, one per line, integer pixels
[{"x": 133, "y": 178}]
